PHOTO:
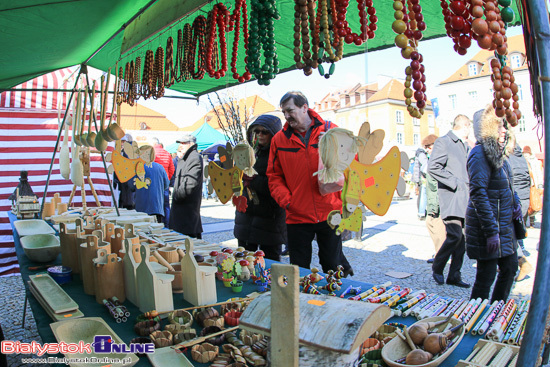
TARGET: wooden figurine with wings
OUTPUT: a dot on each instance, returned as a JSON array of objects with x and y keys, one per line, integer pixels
[{"x": 371, "y": 183}]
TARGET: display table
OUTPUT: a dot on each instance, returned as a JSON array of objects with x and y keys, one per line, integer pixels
[{"x": 90, "y": 307}]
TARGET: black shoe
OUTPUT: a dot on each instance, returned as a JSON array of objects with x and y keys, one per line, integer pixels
[
  {"x": 439, "y": 279},
  {"x": 458, "y": 283},
  {"x": 430, "y": 261},
  {"x": 348, "y": 272}
]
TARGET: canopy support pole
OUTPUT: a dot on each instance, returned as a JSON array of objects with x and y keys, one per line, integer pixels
[
  {"x": 102, "y": 155},
  {"x": 61, "y": 128},
  {"x": 540, "y": 299},
  {"x": 122, "y": 28}
]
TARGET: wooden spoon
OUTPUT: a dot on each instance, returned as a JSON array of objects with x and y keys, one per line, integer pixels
[
  {"x": 91, "y": 135},
  {"x": 99, "y": 141},
  {"x": 77, "y": 119},
  {"x": 84, "y": 135}
]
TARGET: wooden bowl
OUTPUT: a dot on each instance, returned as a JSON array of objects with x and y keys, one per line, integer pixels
[
  {"x": 397, "y": 348},
  {"x": 41, "y": 247}
]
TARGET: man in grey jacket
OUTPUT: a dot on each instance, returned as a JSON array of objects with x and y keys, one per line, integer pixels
[{"x": 447, "y": 165}]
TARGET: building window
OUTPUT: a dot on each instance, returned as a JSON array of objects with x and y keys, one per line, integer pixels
[
  {"x": 520, "y": 92},
  {"x": 416, "y": 139},
  {"x": 473, "y": 96},
  {"x": 399, "y": 138},
  {"x": 399, "y": 117},
  {"x": 515, "y": 61},
  {"x": 431, "y": 121},
  {"x": 472, "y": 69},
  {"x": 452, "y": 101},
  {"x": 521, "y": 124},
  {"x": 343, "y": 101},
  {"x": 416, "y": 122},
  {"x": 364, "y": 97}
]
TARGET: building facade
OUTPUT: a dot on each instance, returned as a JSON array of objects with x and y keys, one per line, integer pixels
[
  {"x": 382, "y": 104},
  {"x": 470, "y": 89}
]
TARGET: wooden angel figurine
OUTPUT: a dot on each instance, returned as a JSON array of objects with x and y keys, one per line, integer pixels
[
  {"x": 134, "y": 165},
  {"x": 244, "y": 158},
  {"x": 337, "y": 149}
]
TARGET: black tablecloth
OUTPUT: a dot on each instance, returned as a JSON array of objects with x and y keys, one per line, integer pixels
[{"x": 91, "y": 308}]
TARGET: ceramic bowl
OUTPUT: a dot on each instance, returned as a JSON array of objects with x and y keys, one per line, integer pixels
[{"x": 41, "y": 247}]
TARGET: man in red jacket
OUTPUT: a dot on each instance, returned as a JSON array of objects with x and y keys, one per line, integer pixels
[
  {"x": 164, "y": 158},
  {"x": 293, "y": 159}
]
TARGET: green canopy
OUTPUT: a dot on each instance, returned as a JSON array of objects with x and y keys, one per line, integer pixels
[{"x": 39, "y": 36}]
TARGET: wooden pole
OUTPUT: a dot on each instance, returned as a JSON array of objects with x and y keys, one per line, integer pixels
[
  {"x": 540, "y": 299},
  {"x": 285, "y": 315}
]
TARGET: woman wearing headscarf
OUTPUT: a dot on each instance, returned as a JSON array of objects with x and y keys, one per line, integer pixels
[
  {"x": 263, "y": 224},
  {"x": 490, "y": 237}
]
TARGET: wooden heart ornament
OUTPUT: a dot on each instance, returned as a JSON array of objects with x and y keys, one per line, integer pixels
[
  {"x": 378, "y": 180},
  {"x": 375, "y": 142},
  {"x": 225, "y": 181}
]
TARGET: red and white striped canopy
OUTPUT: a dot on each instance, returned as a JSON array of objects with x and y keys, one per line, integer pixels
[{"x": 28, "y": 134}]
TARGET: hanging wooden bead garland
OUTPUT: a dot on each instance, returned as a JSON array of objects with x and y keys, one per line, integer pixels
[
  {"x": 131, "y": 96},
  {"x": 136, "y": 81},
  {"x": 220, "y": 16},
  {"x": 147, "y": 85},
  {"x": 122, "y": 91},
  {"x": 158, "y": 77},
  {"x": 197, "y": 49},
  {"x": 458, "y": 23},
  {"x": 169, "y": 73},
  {"x": 239, "y": 12},
  {"x": 304, "y": 16},
  {"x": 343, "y": 29},
  {"x": 406, "y": 27},
  {"x": 490, "y": 33},
  {"x": 262, "y": 37}
]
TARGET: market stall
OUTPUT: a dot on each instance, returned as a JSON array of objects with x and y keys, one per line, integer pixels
[{"x": 138, "y": 34}]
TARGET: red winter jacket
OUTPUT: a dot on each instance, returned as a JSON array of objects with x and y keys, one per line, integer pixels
[
  {"x": 292, "y": 163},
  {"x": 164, "y": 158}
]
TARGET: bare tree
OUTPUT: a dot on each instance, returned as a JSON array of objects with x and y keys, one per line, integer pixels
[{"x": 233, "y": 119}]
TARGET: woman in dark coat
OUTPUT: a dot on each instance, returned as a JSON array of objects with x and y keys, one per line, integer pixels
[
  {"x": 263, "y": 225},
  {"x": 187, "y": 194},
  {"x": 490, "y": 237}
]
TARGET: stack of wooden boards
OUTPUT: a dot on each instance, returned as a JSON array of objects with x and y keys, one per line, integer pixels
[{"x": 57, "y": 303}]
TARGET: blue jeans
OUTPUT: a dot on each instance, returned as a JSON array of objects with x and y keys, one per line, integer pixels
[{"x": 423, "y": 202}]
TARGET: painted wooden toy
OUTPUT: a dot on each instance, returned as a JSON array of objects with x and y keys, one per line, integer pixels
[
  {"x": 352, "y": 223},
  {"x": 244, "y": 158},
  {"x": 126, "y": 168}
]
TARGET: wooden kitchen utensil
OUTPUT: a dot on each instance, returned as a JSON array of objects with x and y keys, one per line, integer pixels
[{"x": 108, "y": 277}]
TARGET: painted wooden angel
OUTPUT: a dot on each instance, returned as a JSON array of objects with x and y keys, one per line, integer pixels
[{"x": 133, "y": 166}]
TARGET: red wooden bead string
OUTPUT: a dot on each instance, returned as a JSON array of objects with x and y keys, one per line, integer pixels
[
  {"x": 342, "y": 28},
  {"x": 219, "y": 15},
  {"x": 458, "y": 23},
  {"x": 239, "y": 11}
]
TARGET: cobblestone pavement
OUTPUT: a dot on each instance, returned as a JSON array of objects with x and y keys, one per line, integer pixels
[{"x": 397, "y": 241}]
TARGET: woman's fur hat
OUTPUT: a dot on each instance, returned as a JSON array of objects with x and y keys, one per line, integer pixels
[{"x": 486, "y": 124}]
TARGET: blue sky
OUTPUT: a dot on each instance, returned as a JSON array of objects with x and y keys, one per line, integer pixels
[{"x": 440, "y": 61}]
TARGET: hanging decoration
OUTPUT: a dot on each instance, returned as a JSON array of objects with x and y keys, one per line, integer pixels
[
  {"x": 343, "y": 29},
  {"x": 262, "y": 38},
  {"x": 491, "y": 31},
  {"x": 458, "y": 23},
  {"x": 408, "y": 27},
  {"x": 304, "y": 18},
  {"x": 198, "y": 49},
  {"x": 239, "y": 12},
  {"x": 218, "y": 20}
]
